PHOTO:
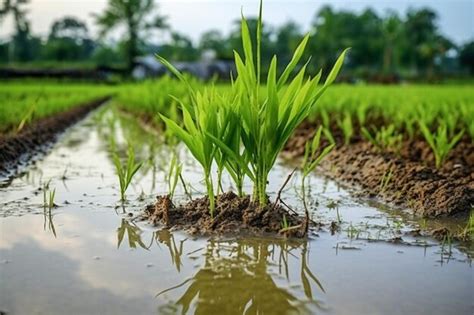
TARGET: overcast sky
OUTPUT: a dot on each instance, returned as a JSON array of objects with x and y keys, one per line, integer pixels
[{"x": 193, "y": 17}]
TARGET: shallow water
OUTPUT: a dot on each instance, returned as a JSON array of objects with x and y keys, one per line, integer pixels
[{"x": 89, "y": 255}]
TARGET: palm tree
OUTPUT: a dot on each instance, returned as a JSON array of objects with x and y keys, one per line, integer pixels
[{"x": 134, "y": 15}]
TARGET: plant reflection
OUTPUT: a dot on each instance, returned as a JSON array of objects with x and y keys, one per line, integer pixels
[
  {"x": 240, "y": 278},
  {"x": 133, "y": 232}
]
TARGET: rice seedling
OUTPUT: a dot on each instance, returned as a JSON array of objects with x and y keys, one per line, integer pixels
[
  {"x": 27, "y": 118},
  {"x": 386, "y": 138},
  {"x": 200, "y": 122},
  {"x": 125, "y": 172},
  {"x": 311, "y": 160},
  {"x": 347, "y": 127},
  {"x": 174, "y": 174},
  {"x": 468, "y": 231},
  {"x": 439, "y": 141}
]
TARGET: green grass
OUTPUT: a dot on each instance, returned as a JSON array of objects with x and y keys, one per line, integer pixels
[{"x": 24, "y": 102}]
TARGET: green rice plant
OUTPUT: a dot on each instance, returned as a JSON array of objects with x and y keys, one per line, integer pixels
[
  {"x": 174, "y": 174},
  {"x": 386, "y": 138},
  {"x": 439, "y": 141},
  {"x": 385, "y": 180},
  {"x": 312, "y": 158},
  {"x": 266, "y": 123},
  {"x": 328, "y": 134},
  {"x": 347, "y": 127},
  {"x": 27, "y": 118},
  {"x": 468, "y": 231},
  {"x": 230, "y": 135},
  {"x": 125, "y": 172},
  {"x": 200, "y": 121}
]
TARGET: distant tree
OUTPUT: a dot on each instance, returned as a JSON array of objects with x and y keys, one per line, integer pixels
[
  {"x": 425, "y": 43},
  {"x": 68, "y": 40},
  {"x": 288, "y": 37},
  {"x": 393, "y": 31},
  {"x": 466, "y": 56},
  {"x": 335, "y": 31},
  {"x": 179, "y": 48},
  {"x": 19, "y": 49},
  {"x": 214, "y": 40},
  {"x": 136, "y": 16},
  {"x": 69, "y": 27}
]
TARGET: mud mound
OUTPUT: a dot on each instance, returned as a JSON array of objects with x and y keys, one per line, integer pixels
[
  {"x": 413, "y": 183},
  {"x": 233, "y": 215}
]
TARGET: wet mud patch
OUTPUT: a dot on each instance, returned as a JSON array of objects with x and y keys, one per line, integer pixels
[
  {"x": 406, "y": 179},
  {"x": 233, "y": 215},
  {"x": 20, "y": 147}
]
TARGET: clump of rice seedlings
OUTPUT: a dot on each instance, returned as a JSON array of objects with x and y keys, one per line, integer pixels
[
  {"x": 311, "y": 160},
  {"x": 386, "y": 138},
  {"x": 268, "y": 122},
  {"x": 439, "y": 141},
  {"x": 347, "y": 127},
  {"x": 265, "y": 123},
  {"x": 200, "y": 121},
  {"x": 125, "y": 172}
]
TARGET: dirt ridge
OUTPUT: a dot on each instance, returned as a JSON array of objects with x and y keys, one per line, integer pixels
[
  {"x": 14, "y": 147},
  {"x": 414, "y": 181}
]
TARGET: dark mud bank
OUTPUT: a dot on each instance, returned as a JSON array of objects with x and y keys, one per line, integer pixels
[
  {"x": 407, "y": 179},
  {"x": 25, "y": 144},
  {"x": 233, "y": 215}
]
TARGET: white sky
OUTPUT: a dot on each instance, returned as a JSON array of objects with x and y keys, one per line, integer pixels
[{"x": 193, "y": 17}]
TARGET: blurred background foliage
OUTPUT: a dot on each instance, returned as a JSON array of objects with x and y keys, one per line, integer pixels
[{"x": 384, "y": 48}]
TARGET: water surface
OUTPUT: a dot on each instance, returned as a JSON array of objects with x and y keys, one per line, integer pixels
[{"x": 89, "y": 255}]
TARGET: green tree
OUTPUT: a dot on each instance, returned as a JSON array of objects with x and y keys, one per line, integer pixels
[
  {"x": 136, "y": 16},
  {"x": 214, "y": 40},
  {"x": 287, "y": 39},
  {"x": 466, "y": 56},
  {"x": 180, "y": 48},
  {"x": 392, "y": 30},
  {"x": 19, "y": 49},
  {"x": 68, "y": 40}
]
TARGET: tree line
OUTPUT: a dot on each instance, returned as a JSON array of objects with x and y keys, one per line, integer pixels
[{"x": 408, "y": 45}]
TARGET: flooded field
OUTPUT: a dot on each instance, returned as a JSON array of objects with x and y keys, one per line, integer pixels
[{"x": 92, "y": 255}]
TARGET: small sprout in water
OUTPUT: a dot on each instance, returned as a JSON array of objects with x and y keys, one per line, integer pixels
[
  {"x": 311, "y": 160},
  {"x": 126, "y": 172},
  {"x": 173, "y": 175}
]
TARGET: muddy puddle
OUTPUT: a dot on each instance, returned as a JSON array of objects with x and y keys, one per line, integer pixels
[{"x": 90, "y": 255}]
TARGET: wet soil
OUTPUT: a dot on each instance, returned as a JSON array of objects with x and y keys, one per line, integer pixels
[
  {"x": 233, "y": 215},
  {"x": 415, "y": 183},
  {"x": 33, "y": 137}
]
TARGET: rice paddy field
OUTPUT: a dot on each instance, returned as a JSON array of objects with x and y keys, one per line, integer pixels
[{"x": 288, "y": 194}]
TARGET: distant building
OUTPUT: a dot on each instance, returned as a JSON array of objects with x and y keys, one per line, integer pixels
[{"x": 206, "y": 68}]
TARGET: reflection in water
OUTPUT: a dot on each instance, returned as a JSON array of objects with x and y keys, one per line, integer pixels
[
  {"x": 133, "y": 233},
  {"x": 241, "y": 278}
]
